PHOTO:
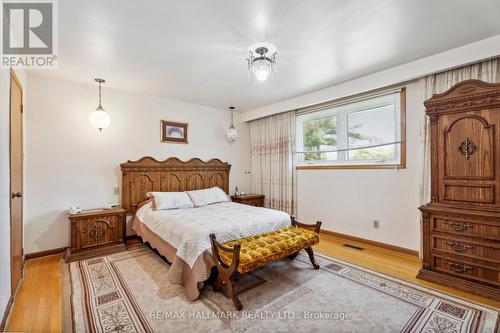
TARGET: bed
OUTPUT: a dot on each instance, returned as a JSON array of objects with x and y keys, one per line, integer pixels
[{"x": 182, "y": 235}]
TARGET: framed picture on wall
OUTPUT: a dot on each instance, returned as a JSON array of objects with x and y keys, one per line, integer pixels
[{"x": 174, "y": 132}]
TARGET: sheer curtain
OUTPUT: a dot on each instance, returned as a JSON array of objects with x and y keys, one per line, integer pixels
[
  {"x": 488, "y": 71},
  {"x": 273, "y": 160}
]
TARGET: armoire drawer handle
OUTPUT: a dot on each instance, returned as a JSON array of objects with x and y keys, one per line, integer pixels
[
  {"x": 458, "y": 268},
  {"x": 458, "y": 226},
  {"x": 458, "y": 247}
]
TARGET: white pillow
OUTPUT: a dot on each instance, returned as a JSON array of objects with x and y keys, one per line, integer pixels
[
  {"x": 170, "y": 200},
  {"x": 208, "y": 196}
]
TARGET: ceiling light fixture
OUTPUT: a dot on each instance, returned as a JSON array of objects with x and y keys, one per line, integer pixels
[
  {"x": 261, "y": 60},
  {"x": 232, "y": 133},
  {"x": 99, "y": 118}
]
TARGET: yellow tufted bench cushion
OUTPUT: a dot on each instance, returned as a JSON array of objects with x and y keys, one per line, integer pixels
[{"x": 256, "y": 251}]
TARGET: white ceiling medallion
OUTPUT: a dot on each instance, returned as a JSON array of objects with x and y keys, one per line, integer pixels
[
  {"x": 99, "y": 118},
  {"x": 261, "y": 60},
  {"x": 232, "y": 133}
]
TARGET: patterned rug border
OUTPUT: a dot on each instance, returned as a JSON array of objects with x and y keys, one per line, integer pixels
[
  {"x": 411, "y": 284},
  {"x": 69, "y": 323}
]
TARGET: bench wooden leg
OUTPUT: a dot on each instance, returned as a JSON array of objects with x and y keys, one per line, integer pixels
[
  {"x": 232, "y": 293},
  {"x": 310, "y": 252},
  {"x": 218, "y": 283},
  {"x": 225, "y": 272},
  {"x": 293, "y": 256}
]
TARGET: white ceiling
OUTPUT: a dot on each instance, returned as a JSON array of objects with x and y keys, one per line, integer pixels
[{"x": 195, "y": 51}]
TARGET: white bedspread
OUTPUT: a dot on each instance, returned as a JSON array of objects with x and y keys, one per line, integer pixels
[{"x": 188, "y": 229}]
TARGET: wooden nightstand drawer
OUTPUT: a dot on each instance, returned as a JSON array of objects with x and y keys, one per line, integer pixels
[
  {"x": 256, "y": 200},
  {"x": 96, "y": 232}
]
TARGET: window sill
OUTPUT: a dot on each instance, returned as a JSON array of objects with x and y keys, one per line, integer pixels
[{"x": 351, "y": 166}]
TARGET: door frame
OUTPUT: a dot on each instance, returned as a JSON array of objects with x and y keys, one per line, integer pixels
[{"x": 14, "y": 77}]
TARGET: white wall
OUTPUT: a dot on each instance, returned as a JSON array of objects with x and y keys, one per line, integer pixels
[
  {"x": 71, "y": 163},
  {"x": 347, "y": 201},
  {"x": 5, "y": 183}
]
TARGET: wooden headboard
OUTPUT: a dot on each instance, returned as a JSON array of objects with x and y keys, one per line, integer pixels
[{"x": 171, "y": 175}]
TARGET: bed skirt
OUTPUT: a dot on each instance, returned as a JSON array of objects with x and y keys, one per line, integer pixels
[{"x": 192, "y": 278}]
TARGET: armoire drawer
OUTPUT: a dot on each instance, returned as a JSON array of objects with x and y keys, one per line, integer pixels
[
  {"x": 468, "y": 247},
  {"x": 462, "y": 268},
  {"x": 467, "y": 227}
]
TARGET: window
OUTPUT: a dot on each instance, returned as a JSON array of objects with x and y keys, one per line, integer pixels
[{"x": 366, "y": 133}]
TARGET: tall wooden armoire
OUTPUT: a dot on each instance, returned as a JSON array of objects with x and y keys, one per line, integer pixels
[{"x": 461, "y": 224}]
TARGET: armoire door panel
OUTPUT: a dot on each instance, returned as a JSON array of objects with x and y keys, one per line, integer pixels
[
  {"x": 474, "y": 194},
  {"x": 468, "y": 147}
]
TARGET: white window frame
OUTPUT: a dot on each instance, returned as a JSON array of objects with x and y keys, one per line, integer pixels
[{"x": 396, "y": 98}]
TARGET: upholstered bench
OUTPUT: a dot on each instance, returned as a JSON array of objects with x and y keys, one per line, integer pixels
[{"x": 246, "y": 254}]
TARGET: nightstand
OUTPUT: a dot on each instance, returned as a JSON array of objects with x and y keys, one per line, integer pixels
[
  {"x": 256, "y": 200},
  {"x": 96, "y": 232}
]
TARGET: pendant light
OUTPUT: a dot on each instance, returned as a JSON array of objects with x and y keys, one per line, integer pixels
[
  {"x": 99, "y": 118},
  {"x": 232, "y": 133}
]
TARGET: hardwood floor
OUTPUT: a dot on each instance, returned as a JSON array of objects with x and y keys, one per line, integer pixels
[{"x": 37, "y": 307}]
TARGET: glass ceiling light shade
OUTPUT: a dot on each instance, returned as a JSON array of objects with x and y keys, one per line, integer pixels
[
  {"x": 261, "y": 61},
  {"x": 261, "y": 69},
  {"x": 232, "y": 133},
  {"x": 100, "y": 119}
]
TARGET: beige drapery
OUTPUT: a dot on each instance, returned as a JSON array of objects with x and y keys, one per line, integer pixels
[
  {"x": 273, "y": 160},
  {"x": 488, "y": 71}
]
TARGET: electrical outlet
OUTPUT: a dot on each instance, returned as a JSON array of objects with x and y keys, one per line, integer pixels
[
  {"x": 376, "y": 224},
  {"x": 116, "y": 190}
]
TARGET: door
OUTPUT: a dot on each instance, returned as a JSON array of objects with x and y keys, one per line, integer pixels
[{"x": 16, "y": 181}]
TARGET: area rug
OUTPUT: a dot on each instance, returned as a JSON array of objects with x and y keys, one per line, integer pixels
[{"x": 129, "y": 292}]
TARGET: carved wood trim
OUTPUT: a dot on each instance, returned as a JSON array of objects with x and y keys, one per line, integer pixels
[
  {"x": 170, "y": 175},
  {"x": 464, "y": 96}
]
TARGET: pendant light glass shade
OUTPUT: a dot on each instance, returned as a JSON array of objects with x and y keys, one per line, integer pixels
[
  {"x": 232, "y": 133},
  {"x": 100, "y": 119},
  {"x": 261, "y": 69}
]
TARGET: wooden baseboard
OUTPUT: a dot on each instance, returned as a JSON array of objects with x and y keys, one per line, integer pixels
[
  {"x": 34, "y": 255},
  {"x": 6, "y": 314},
  {"x": 386, "y": 246}
]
